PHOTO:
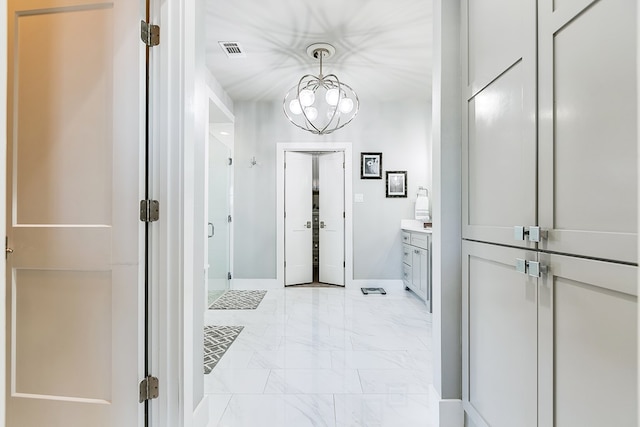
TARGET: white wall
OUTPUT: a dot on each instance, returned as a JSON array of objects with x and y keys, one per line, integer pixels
[
  {"x": 447, "y": 265},
  {"x": 401, "y": 131}
]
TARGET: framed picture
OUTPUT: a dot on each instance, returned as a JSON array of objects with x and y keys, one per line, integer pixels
[
  {"x": 396, "y": 183},
  {"x": 370, "y": 165}
]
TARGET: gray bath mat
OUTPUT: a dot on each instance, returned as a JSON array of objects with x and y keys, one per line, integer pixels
[
  {"x": 217, "y": 340},
  {"x": 238, "y": 300}
]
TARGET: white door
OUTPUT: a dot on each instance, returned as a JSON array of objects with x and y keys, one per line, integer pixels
[
  {"x": 331, "y": 185},
  {"x": 75, "y": 344},
  {"x": 298, "y": 204},
  {"x": 219, "y": 211}
]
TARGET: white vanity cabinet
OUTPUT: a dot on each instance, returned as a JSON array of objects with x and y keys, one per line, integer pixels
[{"x": 416, "y": 263}]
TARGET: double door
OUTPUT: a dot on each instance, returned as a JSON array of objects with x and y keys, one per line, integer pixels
[
  {"x": 299, "y": 218},
  {"x": 548, "y": 340},
  {"x": 551, "y": 126}
]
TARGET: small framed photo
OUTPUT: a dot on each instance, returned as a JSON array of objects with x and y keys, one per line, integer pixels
[
  {"x": 370, "y": 165},
  {"x": 396, "y": 183}
]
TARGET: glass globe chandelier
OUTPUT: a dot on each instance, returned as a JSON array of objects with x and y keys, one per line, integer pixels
[{"x": 321, "y": 104}]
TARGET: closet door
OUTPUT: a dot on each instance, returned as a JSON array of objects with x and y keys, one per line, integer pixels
[
  {"x": 298, "y": 216},
  {"x": 331, "y": 177},
  {"x": 588, "y": 127},
  {"x": 588, "y": 343},
  {"x": 499, "y": 119},
  {"x": 499, "y": 336}
]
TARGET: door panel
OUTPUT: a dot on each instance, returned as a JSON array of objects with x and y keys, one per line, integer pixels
[
  {"x": 588, "y": 130},
  {"x": 298, "y": 218},
  {"x": 588, "y": 343},
  {"x": 499, "y": 123},
  {"x": 500, "y": 336},
  {"x": 331, "y": 176},
  {"x": 74, "y": 167},
  {"x": 219, "y": 211}
]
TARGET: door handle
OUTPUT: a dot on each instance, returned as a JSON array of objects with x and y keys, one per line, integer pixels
[
  {"x": 308, "y": 225},
  {"x": 7, "y": 249},
  {"x": 211, "y": 230},
  {"x": 322, "y": 224}
]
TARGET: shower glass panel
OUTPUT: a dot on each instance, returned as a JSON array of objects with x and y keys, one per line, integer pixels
[{"x": 219, "y": 211}]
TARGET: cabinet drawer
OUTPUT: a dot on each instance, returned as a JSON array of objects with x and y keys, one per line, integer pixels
[
  {"x": 407, "y": 275},
  {"x": 406, "y": 254},
  {"x": 420, "y": 240},
  {"x": 406, "y": 237}
]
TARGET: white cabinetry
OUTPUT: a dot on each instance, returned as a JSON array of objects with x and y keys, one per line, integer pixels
[
  {"x": 549, "y": 149},
  {"x": 416, "y": 263},
  {"x": 555, "y": 350}
]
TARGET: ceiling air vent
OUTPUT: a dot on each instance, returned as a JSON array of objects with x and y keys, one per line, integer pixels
[{"x": 232, "y": 49}]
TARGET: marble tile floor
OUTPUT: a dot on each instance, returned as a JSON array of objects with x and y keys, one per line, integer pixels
[{"x": 324, "y": 357}]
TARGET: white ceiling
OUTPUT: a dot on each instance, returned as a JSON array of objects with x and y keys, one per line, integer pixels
[{"x": 383, "y": 47}]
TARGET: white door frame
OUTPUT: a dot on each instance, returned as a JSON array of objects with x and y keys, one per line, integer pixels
[{"x": 281, "y": 147}]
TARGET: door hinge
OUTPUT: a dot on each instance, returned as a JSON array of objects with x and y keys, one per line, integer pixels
[
  {"x": 344, "y": 264},
  {"x": 229, "y": 218},
  {"x": 149, "y": 388},
  {"x": 149, "y": 210},
  {"x": 229, "y": 276},
  {"x": 344, "y": 215},
  {"x": 150, "y": 34}
]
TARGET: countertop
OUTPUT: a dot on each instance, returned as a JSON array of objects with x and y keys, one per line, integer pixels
[{"x": 414, "y": 226}]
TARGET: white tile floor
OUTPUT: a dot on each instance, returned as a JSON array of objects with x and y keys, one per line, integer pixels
[{"x": 324, "y": 357}]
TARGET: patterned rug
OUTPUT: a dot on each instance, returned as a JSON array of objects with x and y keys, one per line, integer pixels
[
  {"x": 217, "y": 340},
  {"x": 238, "y": 300}
]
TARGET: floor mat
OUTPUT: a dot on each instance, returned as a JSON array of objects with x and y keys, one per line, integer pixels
[
  {"x": 217, "y": 340},
  {"x": 238, "y": 300}
]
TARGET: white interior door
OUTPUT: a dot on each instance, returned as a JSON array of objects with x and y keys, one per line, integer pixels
[
  {"x": 298, "y": 218},
  {"x": 331, "y": 178},
  {"x": 76, "y": 116}
]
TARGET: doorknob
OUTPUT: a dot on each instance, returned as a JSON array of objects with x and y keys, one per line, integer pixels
[
  {"x": 7, "y": 249},
  {"x": 308, "y": 224},
  {"x": 211, "y": 230},
  {"x": 322, "y": 224}
]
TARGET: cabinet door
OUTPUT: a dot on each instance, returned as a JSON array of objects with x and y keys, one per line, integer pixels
[
  {"x": 588, "y": 127},
  {"x": 587, "y": 343},
  {"x": 416, "y": 267},
  {"x": 499, "y": 337},
  {"x": 499, "y": 119}
]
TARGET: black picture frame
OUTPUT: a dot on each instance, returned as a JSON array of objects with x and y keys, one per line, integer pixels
[
  {"x": 370, "y": 165},
  {"x": 396, "y": 184}
]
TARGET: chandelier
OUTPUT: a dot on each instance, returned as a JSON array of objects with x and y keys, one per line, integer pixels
[{"x": 321, "y": 104}]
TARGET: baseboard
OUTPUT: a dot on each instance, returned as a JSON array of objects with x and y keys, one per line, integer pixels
[
  {"x": 201, "y": 414},
  {"x": 445, "y": 412},
  {"x": 267, "y": 284}
]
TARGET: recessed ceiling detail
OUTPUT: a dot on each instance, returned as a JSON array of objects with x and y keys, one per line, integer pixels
[{"x": 232, "y": 49}]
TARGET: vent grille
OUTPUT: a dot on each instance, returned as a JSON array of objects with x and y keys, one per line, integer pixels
[{"x": 232, "y": 49}]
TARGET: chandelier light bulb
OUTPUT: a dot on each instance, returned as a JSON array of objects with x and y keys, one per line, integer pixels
[
  {"x": 307, "y": 97},
  {"x": 311, "y": 113},
  {"x": 346, "y": 105},
  {"x": 330, "y": 112},
  {"x": 332, "y": 96},
  {"x": 294, "y": 107}
]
